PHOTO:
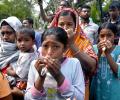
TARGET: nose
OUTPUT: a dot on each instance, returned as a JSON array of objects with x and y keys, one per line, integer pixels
[
  {"x": 5, "y": 37},
  {"x": 50, "y": 51},
  {"x": 105, "y": 38},
  {"x": 65, "y": 27}
]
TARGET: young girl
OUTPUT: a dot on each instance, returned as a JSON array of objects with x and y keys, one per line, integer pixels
[
  {"x": 64, "y": 77},
  {"x": 78, "y": 45},
  {"x": 106, "y": 84},
  {"x": 19, "y": 71}
]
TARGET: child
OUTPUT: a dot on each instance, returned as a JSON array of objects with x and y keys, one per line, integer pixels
[
  {"x": 64, "y": 77},
  {"x": 19, "y": 71},
  {"x": 106, "y": 84}
]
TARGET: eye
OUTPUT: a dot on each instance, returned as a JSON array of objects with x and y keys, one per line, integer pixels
[
  {"x": 61, "y": 24},
  {"x": 44, "y": 45}
]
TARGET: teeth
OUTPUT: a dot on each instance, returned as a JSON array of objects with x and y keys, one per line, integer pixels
[{"x": 44, "y": 71}]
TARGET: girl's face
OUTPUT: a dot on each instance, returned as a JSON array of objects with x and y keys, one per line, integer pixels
[
  {"x": 51, "y": 47},
  {"x": 66, "y": 22},
  {"x": 106, "y": 34},
  {"x": 25, "y": 42},
  {"x": 7, "y": 34}
]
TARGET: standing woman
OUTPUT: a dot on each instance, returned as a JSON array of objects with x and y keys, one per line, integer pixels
[{"x": 79, "y": 46}]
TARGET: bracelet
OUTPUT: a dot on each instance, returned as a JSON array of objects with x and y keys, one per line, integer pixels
[{"x": 76, "y": 52}]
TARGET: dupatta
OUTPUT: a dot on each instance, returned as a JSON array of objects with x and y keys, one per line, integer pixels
[{"x": 80, "y": 39}]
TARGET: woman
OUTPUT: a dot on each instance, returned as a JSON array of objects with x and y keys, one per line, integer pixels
[{"x": 79, "y": 46}]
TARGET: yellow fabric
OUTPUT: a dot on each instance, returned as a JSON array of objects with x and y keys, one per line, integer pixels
[{"x": 4, "y": 86}]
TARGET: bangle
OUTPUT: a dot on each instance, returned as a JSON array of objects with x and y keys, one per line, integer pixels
[{"x": 76, "y": 52}]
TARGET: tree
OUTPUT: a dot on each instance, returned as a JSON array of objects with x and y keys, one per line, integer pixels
[{"x": 19, "y": 8}]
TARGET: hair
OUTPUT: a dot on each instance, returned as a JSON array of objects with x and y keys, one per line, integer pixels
[
  {"x": 67, "y": 3},
  {"x": 108, "y": 25},
  {"x": 85, "y": 6},
  {"x": 59, "y": 33},
  {"x": 66, "y": 13},
  {"x": 114, "y": 6},
  {"x": 27, "y": 31},
  {"x": 30, "y": 20}
]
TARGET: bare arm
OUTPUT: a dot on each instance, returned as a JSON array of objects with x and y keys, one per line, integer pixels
[
  {"x": 87, "y": 61},
  {"x": 42, "y": 13},
  {"x": 112, "y": 63}
]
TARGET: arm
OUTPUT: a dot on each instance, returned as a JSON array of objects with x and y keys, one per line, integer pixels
[
  {"x": 11, "y": 72},
  {"x": 34, "y": 86},
  {"x": 86, "y": 60},
  {"x": 42, "y": 13}
]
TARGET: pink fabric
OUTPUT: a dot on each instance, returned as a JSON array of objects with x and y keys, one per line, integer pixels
[
  {"x": 65, "y": 86},
  {"x": 36, "y": 92}
]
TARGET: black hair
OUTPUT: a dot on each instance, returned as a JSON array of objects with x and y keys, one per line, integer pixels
[
  {"x": 67, "y": 3},
  {"x": 59, "y": 33},
  {"x": 30, "y": 20},
  {"x": 108, "y": 25},
  {"x": 28, "y": 31},
  {"x": 85, "y": 6},
  {"x": 113, "y": 6},
  {"x": 65, "y": 13}
]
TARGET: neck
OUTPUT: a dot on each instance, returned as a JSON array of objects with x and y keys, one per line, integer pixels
[{"x": 84, "y": 20}]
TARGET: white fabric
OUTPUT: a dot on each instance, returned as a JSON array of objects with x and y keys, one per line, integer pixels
[
  {"x": 14, "y": 22},
  {"x": 8, "y": 53},
  {"x": 23, "y": 64},
  {"x": 72, "y": 71}
]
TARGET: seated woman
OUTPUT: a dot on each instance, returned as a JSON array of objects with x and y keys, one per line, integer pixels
[{"x": 54, "y": 76}]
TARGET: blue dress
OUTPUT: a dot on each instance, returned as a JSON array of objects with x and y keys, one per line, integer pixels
[{"x": 105, "y": 84}]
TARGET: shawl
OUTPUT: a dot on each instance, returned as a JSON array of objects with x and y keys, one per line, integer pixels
[{"x": 8, "y": 53}]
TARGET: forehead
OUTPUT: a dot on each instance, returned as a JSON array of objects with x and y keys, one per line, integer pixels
[
  {"x": 63, "y": 3},
  {"x": 85, "y": 9},
  {"x": 66, "y": 18},
  {"x": 6, "y": 27},
  {"x": 25, "y": 21},
  {"x": 106, "y": 31}
]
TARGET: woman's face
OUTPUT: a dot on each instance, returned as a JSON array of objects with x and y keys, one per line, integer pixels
[
  {"x": 106, "y": 34},
  {"x": 8, "y": 34},
  {"x": 66, "y": 22},
  {"x": 51, "y": 47}
]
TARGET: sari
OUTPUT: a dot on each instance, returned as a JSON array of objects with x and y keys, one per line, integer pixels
[{"x": 81, "y": 41}]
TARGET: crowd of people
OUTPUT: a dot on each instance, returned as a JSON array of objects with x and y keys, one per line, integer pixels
[{"x": 73, "y": 59}]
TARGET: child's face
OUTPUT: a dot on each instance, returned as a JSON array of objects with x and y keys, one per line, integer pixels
[
  {"x": 106, "y": 34},
  {"x": 52, "y": 48},
  {"x": 25, "y": 42},
  {"x": 7, "y": 34}
]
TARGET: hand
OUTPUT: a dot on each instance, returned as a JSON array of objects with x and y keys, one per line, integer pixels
[
  {"x": 39, "y": 65},
  {"x": 53, "y": 66},
  {"x": 70, "y": 33},
  {"x": 104, "y": 44}
]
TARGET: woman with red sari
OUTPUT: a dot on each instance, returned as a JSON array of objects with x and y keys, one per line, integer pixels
[{"x": 79, "y": 46}]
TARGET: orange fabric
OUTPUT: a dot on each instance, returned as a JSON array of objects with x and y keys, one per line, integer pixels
[{"x": 4, "y": 87}]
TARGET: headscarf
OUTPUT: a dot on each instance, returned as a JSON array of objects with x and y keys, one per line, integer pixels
[{"x": 80, "y": 39}]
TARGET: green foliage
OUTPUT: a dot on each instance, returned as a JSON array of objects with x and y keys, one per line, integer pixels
[{"x": 19, "y": 8}]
